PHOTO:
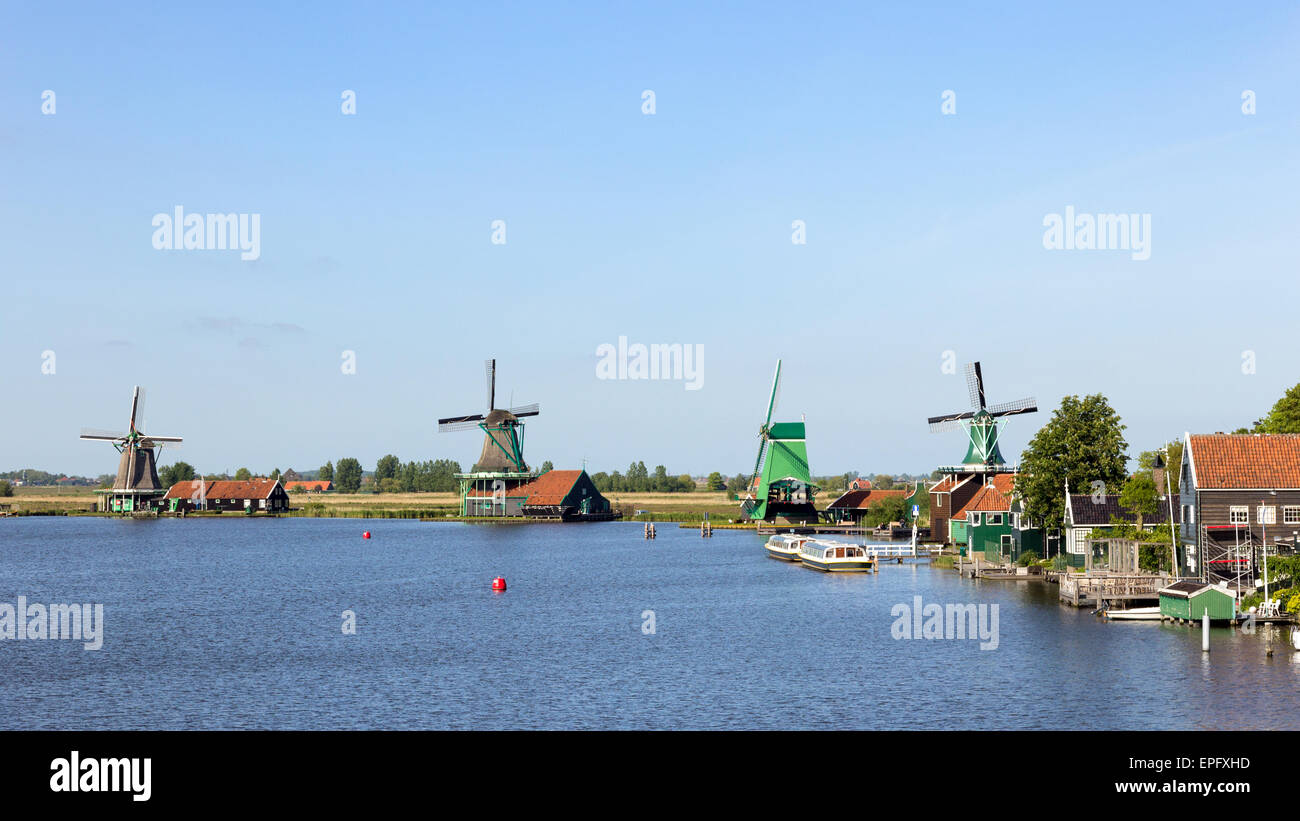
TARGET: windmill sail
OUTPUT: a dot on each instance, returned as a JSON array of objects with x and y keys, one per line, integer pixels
[
  {"x": 981, "y": 422},
  {"x": 502, "y": 450}
]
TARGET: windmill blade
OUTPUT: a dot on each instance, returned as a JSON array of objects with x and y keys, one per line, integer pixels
[
  {"x": 950, "y": 417},
  {"x": 1029, "y": 405},
  {"x": 975, "y": 385},
  {"x": 776, "y": 394},
  {"x": 527, "y": 410},
  {"x": 172, "y": 442},
  {"x": 473, "y": 417},
  {"x": 758, "y": 463},
  {"x": 491, "y": 383},
  {"x": 137, "y": 407},
  {"x": 945, "y": 425},
  {"x": 101, "y": 435},
  {"x": 449, "y": 425}
]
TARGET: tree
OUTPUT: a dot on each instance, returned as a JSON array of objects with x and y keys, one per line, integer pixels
[
  {"x": 6, "y": 489},
  {"x": 1084, "y": 443},
  {"x": 1139, "y": 495},
  {"x": 685, "y": 484},
  {"x": 390, "y": 485},
  {"x": 275, "y": 474},
  {"x": 386, "y": 468},
  {"x": 1284, "y": 416},
  {"x": 886, "y": 510},
  {"x": 326, "y": 473},
  {"x": 882, "y": 482},
  {"x": 547, "y": 466},
  {"x": 179, "y": 472},
  {"x": 347, "y": 476},
  {"x": 660, "y": 482},
  {"x": 715, "y": 482},
  {"x": 243, "y": 475}
]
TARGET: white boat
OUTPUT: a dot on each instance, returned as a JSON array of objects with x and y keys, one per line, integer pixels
[
  {"x": 837, "y": 557},
  {"x": 1135, "y": 614},
  {"x": 785, "y": 547}
]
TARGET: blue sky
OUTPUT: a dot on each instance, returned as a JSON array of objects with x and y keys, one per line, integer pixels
[{"x": 924, "y": 230}]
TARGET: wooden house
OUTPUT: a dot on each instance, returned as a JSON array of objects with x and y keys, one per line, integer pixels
[
  {"x": 852, "y": 505},
  {"x": 1237, "y": 493},
  {"x": 1086, "y": 513},
  {"x": 252, "y": 496},
  {"x": 996, "y": 524},
  {"x": 569, "y": 495},
  {"x": 948, "y": 498}
]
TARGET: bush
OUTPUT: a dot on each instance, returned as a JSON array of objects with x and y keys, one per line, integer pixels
[
  {"x": 1293, "y": 605},
  {"x": 1027, "y": 558}
]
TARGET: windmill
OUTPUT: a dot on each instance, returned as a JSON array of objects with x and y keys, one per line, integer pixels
[
  {"x": 137, "y": 470},
  {"x": 784, "y": 484},
  {"x": 981, "y": 423},
  {"x": 503, "y": 441}
]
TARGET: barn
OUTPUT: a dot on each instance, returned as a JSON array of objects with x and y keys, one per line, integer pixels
[
  {"x": 569, "y": 495},
  {"x": 253, "y": 496}
]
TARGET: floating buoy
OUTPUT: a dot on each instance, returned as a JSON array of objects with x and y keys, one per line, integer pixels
[
  {"x": 366, "y": 535},
  {"x": 499, "y": 584}
]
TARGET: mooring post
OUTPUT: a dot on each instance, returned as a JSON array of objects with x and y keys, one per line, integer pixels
[{"x": 1205, "y": 632}]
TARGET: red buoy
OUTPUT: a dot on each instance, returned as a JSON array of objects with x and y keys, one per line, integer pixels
[
  {"x": 499, "y": 584},
  {"x": 366, "y": 535}
]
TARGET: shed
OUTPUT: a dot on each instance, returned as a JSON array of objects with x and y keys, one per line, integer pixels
[{"x": 1191, "y": 600}]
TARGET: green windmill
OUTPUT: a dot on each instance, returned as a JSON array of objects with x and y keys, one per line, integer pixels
[
  {"x": 981, "y": 423},
  {"x": 781, "y": 484}
]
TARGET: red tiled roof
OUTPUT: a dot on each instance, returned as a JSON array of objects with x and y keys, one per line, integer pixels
[
  {"x": 861, "y": 499},
  {"x": 988, "y": 498},
  {"x": 224, "y": 489},
  {"x": 1004, "y": 482},
  {"x": 310, "y": 484},
  {"x": 548, "y": 489},
  {"x": 860, "y": 484},
  {"x": 1246, "y": 461}
]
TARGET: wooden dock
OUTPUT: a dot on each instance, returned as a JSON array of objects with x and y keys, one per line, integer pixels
[{"x": 1096, "y": 589}]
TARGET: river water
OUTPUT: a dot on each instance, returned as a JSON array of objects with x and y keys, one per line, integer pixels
[{"x": 233, "y": 624}]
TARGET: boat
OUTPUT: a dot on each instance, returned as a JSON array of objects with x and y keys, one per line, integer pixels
[
  {"x": 836, "y": 557},
  {"x": 1135, "y": 614},
  {"x": 785, "y": 547}
]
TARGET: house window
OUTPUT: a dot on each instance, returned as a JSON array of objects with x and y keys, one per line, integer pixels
[
  {"x": 1291, "y": 515},
  {"x": 1239, "y": 515},
  {"x": 1266, "y": 515},
  {"x": 1007, "y": 540},
  {"x": 995, "y": 518}
]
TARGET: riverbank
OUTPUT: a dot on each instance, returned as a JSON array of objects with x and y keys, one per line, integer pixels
[{"x": 644, "y": 507}]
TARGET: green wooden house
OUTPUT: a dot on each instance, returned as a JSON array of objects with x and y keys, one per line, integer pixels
[
  {"x": 1190, "y": 600},
  {"x": 995, "y": 525}
]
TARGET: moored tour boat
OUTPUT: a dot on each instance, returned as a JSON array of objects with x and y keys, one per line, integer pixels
[
  {"x": 836, "y": 557},
  {"x": 785, "y": 547}
]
